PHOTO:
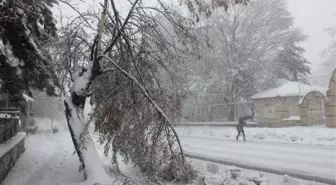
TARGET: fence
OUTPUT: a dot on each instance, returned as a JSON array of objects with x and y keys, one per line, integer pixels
[
  {"x": 9, "y": 126},
  {"x": 219, "y": 112}
]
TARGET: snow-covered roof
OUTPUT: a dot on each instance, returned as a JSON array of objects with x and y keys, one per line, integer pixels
[
  {"x": 3, "y": 115},
  {"x": 27, "y": 98},
  {"x": 290, "y": 89}
]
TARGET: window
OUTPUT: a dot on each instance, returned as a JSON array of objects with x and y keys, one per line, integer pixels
[
  {"x": 269, "y": 112},
  {"x": 256, "y": 117}
]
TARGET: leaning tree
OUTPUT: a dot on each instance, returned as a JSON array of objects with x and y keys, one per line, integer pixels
[
  {"x": 122, "y": 77},
  {"x": 133, "y": 77},
  {"x": 120, "y": 54}
]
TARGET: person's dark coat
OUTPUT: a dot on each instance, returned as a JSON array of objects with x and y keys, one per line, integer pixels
[{"x": 242, "y": 122}]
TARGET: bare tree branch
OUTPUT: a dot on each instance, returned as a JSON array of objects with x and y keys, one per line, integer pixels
[
  {"x": 122, "y": 28},
  {"x": 143, "y": 89}
]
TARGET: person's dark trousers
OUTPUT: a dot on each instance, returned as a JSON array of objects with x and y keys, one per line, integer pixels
[{"x": 240, "y": 131}]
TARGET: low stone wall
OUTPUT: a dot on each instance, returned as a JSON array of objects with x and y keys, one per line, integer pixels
[
  {"x": 282, "y": 125},
  {"x": 10, "y": 153}
]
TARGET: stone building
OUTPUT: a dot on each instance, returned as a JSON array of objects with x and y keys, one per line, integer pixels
[
  {"x": 292, "y": 103},
  {"x": 327, "y": 80},
  {"x": 331, "y": 103}
]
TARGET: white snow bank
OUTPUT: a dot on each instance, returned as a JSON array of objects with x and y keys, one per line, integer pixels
[
  {"x": 27, "y": 98},
  {"x": 4, "y": 115},
  {"x": 7, "y": 116},
  {"x": 292, "y": 118},
  {"x": 290, "y": 89},
  {"x": 230, "y": 175},
  {"x": 8, "y": 145},
  {"x": 315, "y": 135}
]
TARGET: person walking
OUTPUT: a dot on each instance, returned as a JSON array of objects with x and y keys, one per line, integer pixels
[{"x": 241, "y": 124}]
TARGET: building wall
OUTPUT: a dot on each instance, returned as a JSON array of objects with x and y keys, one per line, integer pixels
[
  {"x": 284, "y": 107},
  {"x": 331, "y": 103},
  {"x": 264, "y": 106}
]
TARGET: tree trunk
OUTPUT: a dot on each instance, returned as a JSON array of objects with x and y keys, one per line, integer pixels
[
  {"x": 52, "y": 123},
  {"x": 210, "y": 115},
  {"x": 231, "y": 112},
  {"x": 295, "y": 77},
  {"x": 86, "y": 151},
  {"x": 74, "y": 111},
  {"x": 252, "y": 111}
]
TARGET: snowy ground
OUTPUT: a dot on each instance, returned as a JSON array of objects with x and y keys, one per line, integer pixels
[
  {"x": 270, "y": 153},
  {"x": 49, "y": 160},
  {"x": 244, "y": 176},
  {"x": 315, "y": 135}
]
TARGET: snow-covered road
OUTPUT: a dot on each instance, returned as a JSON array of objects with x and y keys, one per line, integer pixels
[{"x": 317, "y": 161}]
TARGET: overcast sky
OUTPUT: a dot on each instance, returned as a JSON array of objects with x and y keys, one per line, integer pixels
[{"x": 313, "y": 16}]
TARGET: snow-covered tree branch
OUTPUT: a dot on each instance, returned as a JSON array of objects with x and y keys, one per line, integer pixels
[{"x": 134, "y": 78}]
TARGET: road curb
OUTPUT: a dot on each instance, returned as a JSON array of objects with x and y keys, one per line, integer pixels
[{"x": 267, "y": 170}]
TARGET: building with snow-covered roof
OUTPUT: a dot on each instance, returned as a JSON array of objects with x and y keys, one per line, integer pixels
[
  {"x": 331, "y": 103},
  {"x": 288, "y": 104}
]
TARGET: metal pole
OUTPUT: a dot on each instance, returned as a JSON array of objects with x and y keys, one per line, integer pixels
[
  {"x": 5, "y": 129},
  {"x": 52, "y": 123},
  {"x": 299, "y": 91}
]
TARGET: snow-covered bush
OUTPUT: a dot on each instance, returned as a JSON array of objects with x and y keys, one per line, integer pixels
[
  {"x": 235, "y": 177},
  {"x": 212, "y": 168},
  {"x": 260, "y": 136},
  {"x": 214, "y": 174},
  {"x": 294, "y": 138}
]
